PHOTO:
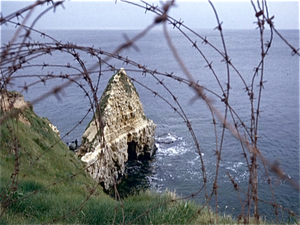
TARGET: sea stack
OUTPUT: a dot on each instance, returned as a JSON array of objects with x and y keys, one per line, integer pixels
[{"x": 126, "y": 134}]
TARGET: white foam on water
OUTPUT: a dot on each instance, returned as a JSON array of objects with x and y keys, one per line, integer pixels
[
  {"x": 176, "y": 150},
  {"x": 171, "y": 145},
  {"x": 236, "y": 171},
  {"x": 167, "y": 138}
]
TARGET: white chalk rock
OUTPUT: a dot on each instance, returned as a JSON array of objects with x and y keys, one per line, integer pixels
[{"x": 126, "y": 132}]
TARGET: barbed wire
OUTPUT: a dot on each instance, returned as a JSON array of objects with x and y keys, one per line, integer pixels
[{"x": 19, "y": 56}]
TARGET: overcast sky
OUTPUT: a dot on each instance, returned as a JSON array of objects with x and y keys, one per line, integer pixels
[{"x": 120, "y": 15}]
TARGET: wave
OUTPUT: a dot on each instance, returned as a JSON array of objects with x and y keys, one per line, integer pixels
[{"x": 167, "y": 138}]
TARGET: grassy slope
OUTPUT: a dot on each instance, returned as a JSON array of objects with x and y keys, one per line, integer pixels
[{"x": 56, "y": 201}]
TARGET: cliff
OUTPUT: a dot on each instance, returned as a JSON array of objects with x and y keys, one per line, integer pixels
[
  {"x": 38, "y": 171},
  {"x": 127, "y": 133},
  {"x": 15, "y": 101}
]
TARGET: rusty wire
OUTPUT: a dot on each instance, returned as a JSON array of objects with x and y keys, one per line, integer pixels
[{"x": 16, "y": 56}]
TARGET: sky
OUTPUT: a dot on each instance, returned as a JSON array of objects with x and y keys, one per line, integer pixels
[{"x": 112, "y": 14}]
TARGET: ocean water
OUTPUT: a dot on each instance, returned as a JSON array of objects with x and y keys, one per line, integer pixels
[{"x": 177, "y": 165}]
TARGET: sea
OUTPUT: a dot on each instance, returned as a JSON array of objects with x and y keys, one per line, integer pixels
[{"x": 176, "y": 166}]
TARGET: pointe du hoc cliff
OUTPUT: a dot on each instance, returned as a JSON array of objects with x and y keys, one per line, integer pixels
[{"x": 121, "y": 132}]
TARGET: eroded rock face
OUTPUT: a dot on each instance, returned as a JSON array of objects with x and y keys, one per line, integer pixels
[
  {"x": 14, "y": 100},
  {"x": 54, "y": 128},
  {"x": 10, "y": 100},
  {"x": 127, "y": 133}
]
